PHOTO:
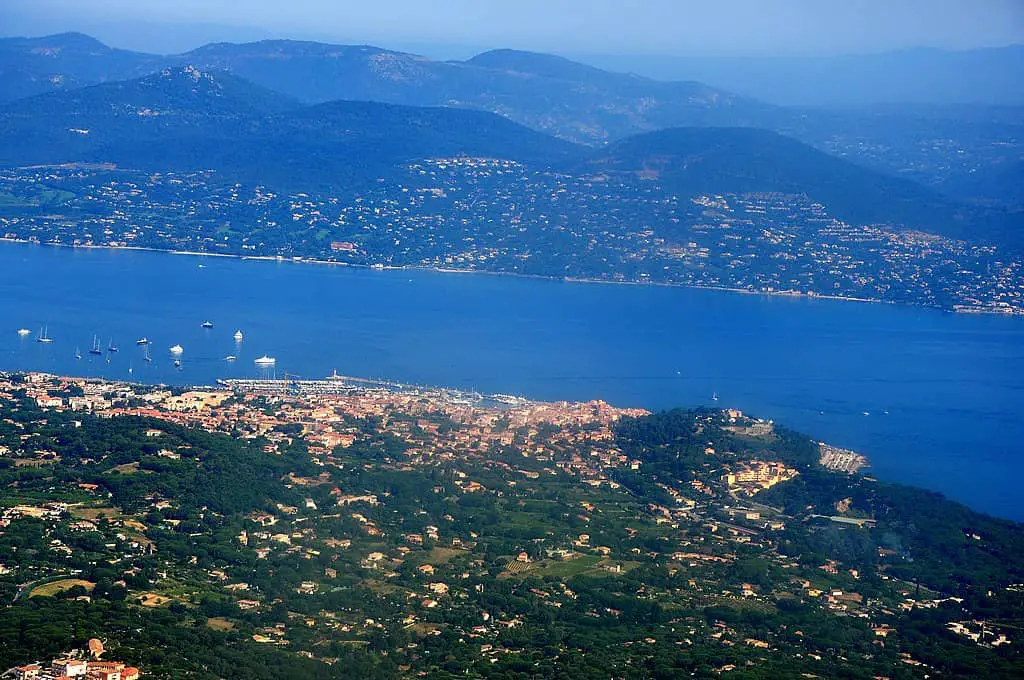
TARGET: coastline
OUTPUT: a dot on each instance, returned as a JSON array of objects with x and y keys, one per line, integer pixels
[
  {"x": 822, "y": 395},
  {"x": 956, "y": 309},
  {"x": 833, "y": 458}
]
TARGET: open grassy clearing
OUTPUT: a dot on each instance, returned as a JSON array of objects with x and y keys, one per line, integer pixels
[{"x": 55, "y": 587}]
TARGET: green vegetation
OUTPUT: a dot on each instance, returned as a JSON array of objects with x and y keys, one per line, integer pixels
[{"x": 226, "y": 561}]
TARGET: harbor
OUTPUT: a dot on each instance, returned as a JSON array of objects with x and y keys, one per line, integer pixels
[{"x": 336, "y": 384}]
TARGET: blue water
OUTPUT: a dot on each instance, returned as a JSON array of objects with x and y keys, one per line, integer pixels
[{"x": 943, "y": 393}]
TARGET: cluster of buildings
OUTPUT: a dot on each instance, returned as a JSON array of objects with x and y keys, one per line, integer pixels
[
  {"x": 76, "y": 664},
  {"x": 498, "y": 215},
  {"x": 329, "y": 422},
  {"x": 840, "y": 460},
  {"x": 787, "y": 244},
  {"x": 750, "y": 477}
]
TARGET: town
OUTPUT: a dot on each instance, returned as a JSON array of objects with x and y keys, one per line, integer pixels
[
  {"x": 321, "y": 518},
  {"x": 492, "y": 215}
]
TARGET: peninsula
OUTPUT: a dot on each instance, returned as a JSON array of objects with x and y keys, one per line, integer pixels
[{"x": 344, "y": 526}]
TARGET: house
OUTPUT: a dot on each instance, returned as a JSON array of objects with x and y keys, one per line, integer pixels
[
  {"x": 104, "y": 670},
  {"x": 71, "y": 668},
  {"x": 49, "y": 402}
]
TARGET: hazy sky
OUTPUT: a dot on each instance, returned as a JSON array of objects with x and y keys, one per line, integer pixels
[{"x": 681, "y": 27}]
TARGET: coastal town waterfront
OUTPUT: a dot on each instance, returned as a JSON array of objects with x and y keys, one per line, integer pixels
[{"x": 930, "y": 397}]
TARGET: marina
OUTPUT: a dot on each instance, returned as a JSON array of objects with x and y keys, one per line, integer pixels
[{"x": 336, "y": 384}]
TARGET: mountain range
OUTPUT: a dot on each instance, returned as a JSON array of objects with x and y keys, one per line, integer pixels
[
  {"x": 187, "y": 119},
  {"x": 969, "y": 152},
  {"x": 183, "y": 118},
  {"x": 545, "y": 92}
]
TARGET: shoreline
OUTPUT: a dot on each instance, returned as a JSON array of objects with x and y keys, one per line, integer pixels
[
  {"x": 855, "y": 464},
  {"x": 956, "y": 309}
]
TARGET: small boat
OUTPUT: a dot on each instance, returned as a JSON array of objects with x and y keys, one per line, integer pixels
[
  {"x": 43, "y": 337},
  {"x": 177, "y": 363},
  {"x": 265, "y": 361},
  {"x": 142, "y": 341},
  {"x": 110, "y": 346},
  {"x": 24, "y": 331},
  {"x": 95, "y": 349},
  {"x": 714, "y": 396},
  {"x": 207, "y": 324},
  {"x": 238, "y": 336},
  {"x": 230, "y": 357},
  {"x": 177, "y": 349},
  {"x": 78, "y": 353}
]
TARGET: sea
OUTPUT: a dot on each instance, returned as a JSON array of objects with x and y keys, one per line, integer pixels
[{"x": 933, "y": 399}]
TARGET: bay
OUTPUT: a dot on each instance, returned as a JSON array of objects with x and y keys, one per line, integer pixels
[{"x": 934, "y": 399}]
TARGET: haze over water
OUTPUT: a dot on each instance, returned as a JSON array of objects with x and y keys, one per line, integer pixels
[{"x": 933, "y": 399}]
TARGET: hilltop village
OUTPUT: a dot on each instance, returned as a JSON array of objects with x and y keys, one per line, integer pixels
[{"x": 340, "y": 525}]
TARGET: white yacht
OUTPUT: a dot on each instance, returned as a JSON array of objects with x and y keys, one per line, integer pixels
[
  {"x": 238, "y": 336},
  {"x": 43, "y": 337},
  {"x": 177, "y": 349},
  {"x": 266, "y": 361},
  {"x": 24, "y": 331}
]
